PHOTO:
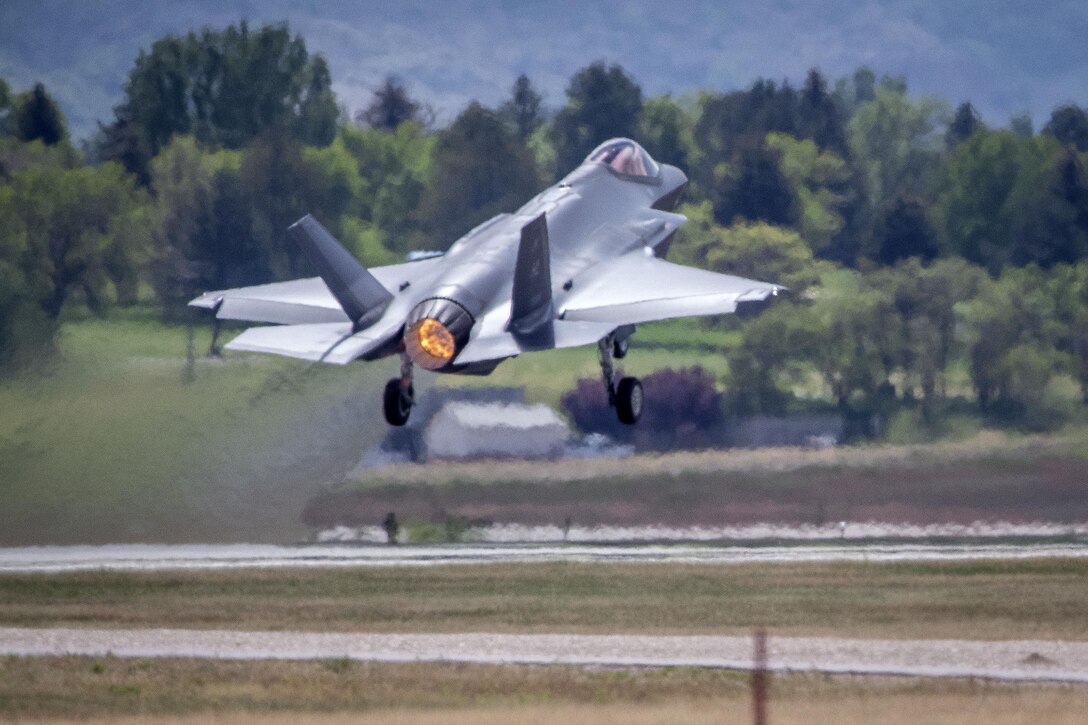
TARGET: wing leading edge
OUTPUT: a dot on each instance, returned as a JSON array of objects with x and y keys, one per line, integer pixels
[{"x": 639, "y": 287}]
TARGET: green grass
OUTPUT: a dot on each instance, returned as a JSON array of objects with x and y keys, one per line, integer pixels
[
  {"x": 110, "y": 443},
  {"x": 1032, "y": 599},
  {"x": 78, "y": 688},
  {"x": 989, "y": 477}
]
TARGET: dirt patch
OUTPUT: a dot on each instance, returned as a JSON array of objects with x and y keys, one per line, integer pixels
[{"x": 1049, "y": 488}]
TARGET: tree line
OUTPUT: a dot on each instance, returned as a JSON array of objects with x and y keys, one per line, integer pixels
[{"x": 914, "y": 237}]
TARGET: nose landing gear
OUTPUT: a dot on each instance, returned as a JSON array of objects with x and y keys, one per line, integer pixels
[{"x": 625, "y": 396}]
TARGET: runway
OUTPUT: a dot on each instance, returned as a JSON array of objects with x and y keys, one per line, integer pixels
[
  {"x": 156, "y": 557},
  {"x": 1026, "y": 660}
]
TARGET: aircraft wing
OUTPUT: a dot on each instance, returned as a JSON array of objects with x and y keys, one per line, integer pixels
[
  {"x": 639, "y": 287},
  {"x": 632, "y": 289}
]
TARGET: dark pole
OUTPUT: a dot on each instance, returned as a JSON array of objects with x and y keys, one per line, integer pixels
[{"x": 760, "y": 678}]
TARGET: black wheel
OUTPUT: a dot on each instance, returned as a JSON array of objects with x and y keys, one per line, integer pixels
[
  {"x": 397, "y": 402},
  {"x": 620, "y": 348},
  {"x": 629, "y": 401}
]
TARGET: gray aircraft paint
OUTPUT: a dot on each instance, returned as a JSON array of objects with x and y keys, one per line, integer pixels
[{"x": 600, "y": 235}]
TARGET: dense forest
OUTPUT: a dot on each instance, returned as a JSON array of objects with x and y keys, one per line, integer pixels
[{"x": 917, "y": 242}]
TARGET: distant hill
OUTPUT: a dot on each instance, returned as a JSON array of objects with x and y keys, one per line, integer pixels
[{"x": 1005, "y": 57}]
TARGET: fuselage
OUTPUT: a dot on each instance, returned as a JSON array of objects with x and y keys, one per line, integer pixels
[{"x": 593, "y": 214}]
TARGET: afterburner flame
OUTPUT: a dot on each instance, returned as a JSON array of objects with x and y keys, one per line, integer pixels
[{"x": 430, "y": 344}]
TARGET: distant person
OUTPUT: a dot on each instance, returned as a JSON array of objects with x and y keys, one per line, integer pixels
[{"x": 392, "y": 528}]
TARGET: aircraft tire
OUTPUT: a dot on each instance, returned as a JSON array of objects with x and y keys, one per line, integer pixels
[
  {"x": 629, "y": 401},
  {"x": 620, "y": 348},
  {"x": 396, "y": 404}
]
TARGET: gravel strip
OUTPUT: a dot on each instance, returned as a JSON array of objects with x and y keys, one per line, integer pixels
[
  {"x": 166, "y": 557},
  {"x": 1040, "y": 660}
]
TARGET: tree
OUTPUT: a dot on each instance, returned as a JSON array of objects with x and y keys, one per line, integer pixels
[
  {"x": 973, "y": 191},
  {"x": 36, "y": 115},
  {"x": 523, "y": 111},
  {"x": 903, "y": 231},
  {"x": 187, "y": 255},
  {"x": 1021, "y": 125},
  {"x": 1013, "y": 328},
  {"x": 851, "y": 93},
  {"x": 820, "y": 181},
  {"x": 224, "y": 87},
  {"x": 60, "y": 228},
  {"x": 391, "y": 106},
  {"x": 918, "y": 322},
  {"x": 1009, "y": 200},
  {"x": 394, "y": 167},
  {"x": 1068, "y": 285},
  {"x": 964, "y": 123},
  {"x": 892, "y": 140},
  {"x": 847, "y": 350},
  {"x": 837, "y": 334},
  {"x": 770, "y": 355},
  {"x": 742, "y": 139},
  {"x": 819, "y": 118},
  {"x": 602, "y": 102},
  {"x": 665, "y": 131},
  {"x": 755, "y": 251},
  {"x": 1049, "y": 211},
  {"x": 480, "y": 169},
  {"x": 1069, "y": 126},
  {"x": 761, "y": 192}
]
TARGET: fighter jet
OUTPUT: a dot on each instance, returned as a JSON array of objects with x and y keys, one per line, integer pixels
[{"x": 581, "y": 263}]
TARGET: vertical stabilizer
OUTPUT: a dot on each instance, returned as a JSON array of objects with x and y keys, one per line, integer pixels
[
  {"x": 358, "y": 292},
  {"x": 531, "y": 310}
]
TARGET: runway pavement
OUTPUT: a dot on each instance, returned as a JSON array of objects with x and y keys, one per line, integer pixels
[
  {"x": 1027, "y": 660},
  {"x": 154, "y": 557}
]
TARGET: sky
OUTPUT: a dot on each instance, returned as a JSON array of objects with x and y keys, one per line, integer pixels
[{"x": 1004, "y": 57}]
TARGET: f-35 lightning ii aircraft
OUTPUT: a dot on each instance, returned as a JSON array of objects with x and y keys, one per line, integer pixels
[{"x": 581, "y": 263}]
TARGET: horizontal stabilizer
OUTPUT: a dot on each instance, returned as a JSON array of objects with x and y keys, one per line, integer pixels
[{"x": 327, "y": 342}]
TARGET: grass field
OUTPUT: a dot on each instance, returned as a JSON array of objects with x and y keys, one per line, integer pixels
[
  {"x": 1041, "y": 599},
  {"x": 989, "y": 477},
  {"x": 109, "y": 443},
  {"x": 341, "y": 691}
]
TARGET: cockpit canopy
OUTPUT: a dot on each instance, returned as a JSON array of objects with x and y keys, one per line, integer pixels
[{"x": 626, "y": 157}]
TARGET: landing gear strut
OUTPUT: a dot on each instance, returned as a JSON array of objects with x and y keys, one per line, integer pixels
[
  {"x": 399, "y": 395},
  {"x": 626, "y": 396}
]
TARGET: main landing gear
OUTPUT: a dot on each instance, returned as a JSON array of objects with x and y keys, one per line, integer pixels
[
  {"x": 399, "y": 395},
  {"x": 625, "y": 396}
]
